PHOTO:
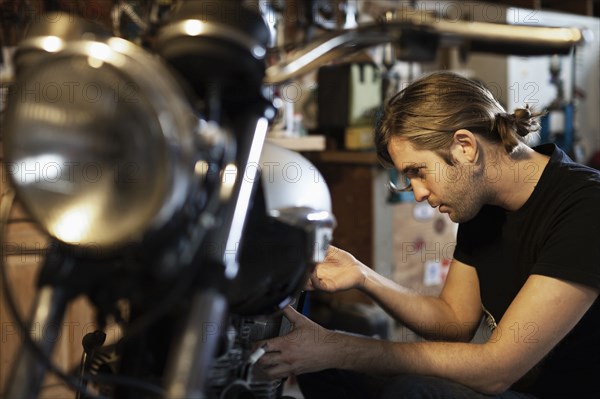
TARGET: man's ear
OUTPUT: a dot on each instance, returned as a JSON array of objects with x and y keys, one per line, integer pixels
[{"x": 465, "y": 147}]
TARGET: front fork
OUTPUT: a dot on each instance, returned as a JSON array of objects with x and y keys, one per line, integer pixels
[
  {"x": 193, "y": 356},
  {"x": 190, "y": 362},
  {"x": 28, "y": 371}
]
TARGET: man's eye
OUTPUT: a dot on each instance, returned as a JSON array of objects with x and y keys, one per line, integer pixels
[{"x": 415, "y": 173}]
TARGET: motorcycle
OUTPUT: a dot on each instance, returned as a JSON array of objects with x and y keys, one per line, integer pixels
[{"x": 165, "y": 205}]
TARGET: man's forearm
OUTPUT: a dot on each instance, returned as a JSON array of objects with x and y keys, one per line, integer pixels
[
  {"x": 467, "y": 364},
  {"x": 428, "y": 316}
]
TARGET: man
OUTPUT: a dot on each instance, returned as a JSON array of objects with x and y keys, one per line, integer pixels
[{"x": 527, "y": 258}]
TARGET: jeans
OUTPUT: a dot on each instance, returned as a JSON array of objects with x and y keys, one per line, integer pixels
[{"x": 341, "y": 384}]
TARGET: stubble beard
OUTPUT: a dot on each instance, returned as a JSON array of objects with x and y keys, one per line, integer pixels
[{"x": 467, "y": 196}]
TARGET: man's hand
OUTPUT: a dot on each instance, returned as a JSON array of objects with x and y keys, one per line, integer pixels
[
  {"x": 339, "y": 271},
  {"x": 307, "y": 348}
]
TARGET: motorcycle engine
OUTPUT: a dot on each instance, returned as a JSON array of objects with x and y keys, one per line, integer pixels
[{"x": 234, "y": 374}]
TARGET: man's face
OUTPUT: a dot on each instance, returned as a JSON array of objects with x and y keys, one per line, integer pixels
[{"x": 453, "y": 189}]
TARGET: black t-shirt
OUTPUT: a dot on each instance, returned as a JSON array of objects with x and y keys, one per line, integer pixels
[{"x": 555, "y": 233}]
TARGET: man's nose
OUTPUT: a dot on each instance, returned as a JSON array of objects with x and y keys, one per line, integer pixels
[{"x": 419, "y": 190}]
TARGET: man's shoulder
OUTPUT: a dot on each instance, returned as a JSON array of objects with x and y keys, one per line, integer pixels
[{"x": 567, "y": 176}]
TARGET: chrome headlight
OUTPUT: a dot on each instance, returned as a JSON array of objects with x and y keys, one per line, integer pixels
[{"x": 98, "y": 141}]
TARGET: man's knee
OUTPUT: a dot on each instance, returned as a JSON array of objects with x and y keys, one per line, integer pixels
[{"x": 342, "y": 384}]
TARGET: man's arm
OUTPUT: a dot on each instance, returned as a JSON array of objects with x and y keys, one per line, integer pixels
[
  {"x": 454, "y": 315},
  {"x": 543, "y": 312}
]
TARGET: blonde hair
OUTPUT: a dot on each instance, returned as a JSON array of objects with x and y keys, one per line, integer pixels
[{"x": 428, "y": 112}]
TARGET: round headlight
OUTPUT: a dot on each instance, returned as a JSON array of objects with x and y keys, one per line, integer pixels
[{"x": 99, "y": 142}]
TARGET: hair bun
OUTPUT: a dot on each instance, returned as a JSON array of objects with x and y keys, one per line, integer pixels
[{"x": 511, "y": 128}]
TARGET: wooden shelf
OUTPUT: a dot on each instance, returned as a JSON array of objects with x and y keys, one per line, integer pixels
[{"x": 302, "y": 143}]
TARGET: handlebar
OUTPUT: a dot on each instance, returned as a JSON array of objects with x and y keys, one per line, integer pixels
[{"x": 476, "y": 36}]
